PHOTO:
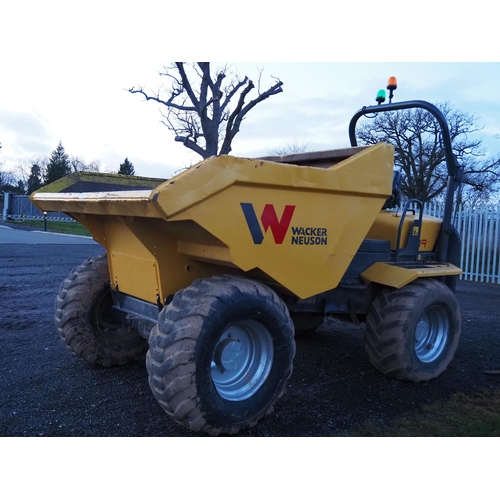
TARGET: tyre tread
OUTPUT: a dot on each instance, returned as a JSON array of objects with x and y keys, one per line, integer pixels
[
  {"x": 72, "y": 311},
  {"x": 170, "y": 356},
  {"x": 386, "y": 326}
]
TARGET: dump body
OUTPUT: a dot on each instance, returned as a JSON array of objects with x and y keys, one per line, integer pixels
[{"x": 294, "y": 226}]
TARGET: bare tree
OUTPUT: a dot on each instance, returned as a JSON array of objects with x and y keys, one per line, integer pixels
[
  {"x": 78, "y": 165},
  {"x": 24, "y": 167},
  {"x": 197, "y": 105},
  {"x": 419, "y": 151},
  {"x": 93, "y": 166},
  {"x": 289, "y": 148},
  {"x": 9, "y": 182}
]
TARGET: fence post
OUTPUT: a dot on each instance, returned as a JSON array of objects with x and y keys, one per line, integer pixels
[{"x": 6, "y": 206}]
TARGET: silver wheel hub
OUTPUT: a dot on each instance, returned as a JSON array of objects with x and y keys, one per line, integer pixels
[
  {"x": 431, "y": 334},
  {"x": 242, "y": 360},
  {"x": 228, "y": 355}
]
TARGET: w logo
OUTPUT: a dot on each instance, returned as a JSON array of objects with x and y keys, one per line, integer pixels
[{"x": 269, "y": 219}]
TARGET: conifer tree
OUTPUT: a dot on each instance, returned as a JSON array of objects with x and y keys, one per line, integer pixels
[
  {"x": 58, "y": 166},
  {"x": 126, "y": 168},
  {"x": 35, "y": 179}
]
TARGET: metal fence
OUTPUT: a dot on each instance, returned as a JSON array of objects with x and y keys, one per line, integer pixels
[
  {"x": 479, "y": 228},
  {"x": 19, "y": 207}
]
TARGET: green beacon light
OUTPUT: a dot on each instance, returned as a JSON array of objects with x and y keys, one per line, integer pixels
[{"x": 380, "y": 96}]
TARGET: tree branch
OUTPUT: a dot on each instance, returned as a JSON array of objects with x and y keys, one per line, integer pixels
[
  {"x": 234, "y": 121},
  {"x": 191, "y": 145},
  {"x": 187, "y": 85},
  {"x": 233, "y": 91},
  {"x": 168, "y": 103}
]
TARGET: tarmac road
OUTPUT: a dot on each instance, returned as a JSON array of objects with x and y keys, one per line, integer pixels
[{"x": 47, "y": 391}]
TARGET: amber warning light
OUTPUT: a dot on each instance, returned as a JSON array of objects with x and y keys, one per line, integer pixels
[{"x": 392, "y": 85}]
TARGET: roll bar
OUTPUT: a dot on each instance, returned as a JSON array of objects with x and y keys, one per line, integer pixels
[
  {"x": 454, "y": 169},
  {"x": 451, "y": 162}
]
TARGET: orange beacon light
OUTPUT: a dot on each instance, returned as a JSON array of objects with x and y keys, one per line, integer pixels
[{"x": 392, "y": 84}]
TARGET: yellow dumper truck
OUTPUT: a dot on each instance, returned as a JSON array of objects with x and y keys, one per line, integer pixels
[{"x": 213, "y": 272}]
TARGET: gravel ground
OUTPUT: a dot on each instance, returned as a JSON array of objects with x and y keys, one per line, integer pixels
[{"x": 46, "y": 391}]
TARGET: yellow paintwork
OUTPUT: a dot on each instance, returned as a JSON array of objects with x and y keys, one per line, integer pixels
[
  {"x": 386, "y": 226},
  {"x": 120, "y": 203},
  {"x": 397, "y": 277},
  {"x": 75, "y": 181},
  {"x": 365, "y": 173},
  {"x": 145, "y": 255},
  {"x": 343, "y": 200},
  {"x": 193, "y": 225}
]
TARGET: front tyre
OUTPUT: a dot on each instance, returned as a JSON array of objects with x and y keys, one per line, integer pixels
[
  {"x": 221, "y": 354},
  {"x": 412, "y": 332},
  {"x": 85, "y": 322}
]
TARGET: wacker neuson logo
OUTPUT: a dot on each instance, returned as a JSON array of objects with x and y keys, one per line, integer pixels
[{"x": 279, "y": 227}]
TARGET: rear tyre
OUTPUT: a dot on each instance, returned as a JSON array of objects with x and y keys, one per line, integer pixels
[
  {"x": 221, "y": 354},
  {"x": 412, "y": 333},
  {"x": 85, "y": 321}
]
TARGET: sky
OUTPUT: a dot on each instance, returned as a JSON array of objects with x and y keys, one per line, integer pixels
[{"x": 65, "y": 68}]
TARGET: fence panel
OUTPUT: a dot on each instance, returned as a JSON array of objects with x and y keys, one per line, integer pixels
[
  {"x": 20, "y": 207},
  {"x": 479, "y": 228}
]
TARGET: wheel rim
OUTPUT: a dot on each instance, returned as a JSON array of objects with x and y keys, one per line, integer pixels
[
  {"x": 108, "y": 327},
  {"x": 431, "y": 334},
  {"x": 242, "y": 360}
]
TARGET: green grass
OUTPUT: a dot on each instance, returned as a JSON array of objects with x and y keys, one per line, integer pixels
[
  {"x": 473, "y": 415},
  {"x": 56, "y": 227}
]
